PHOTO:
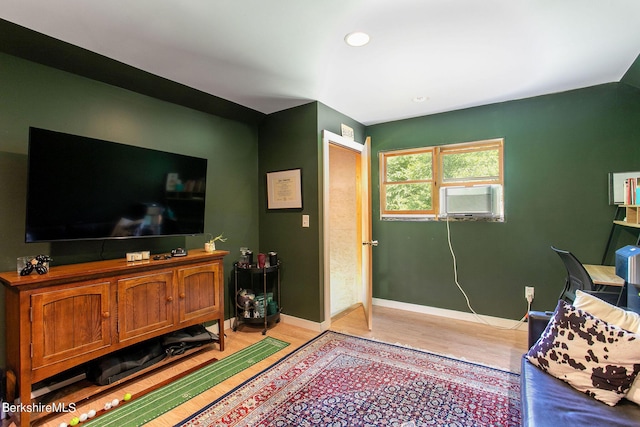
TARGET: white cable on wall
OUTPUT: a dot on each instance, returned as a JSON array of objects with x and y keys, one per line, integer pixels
[{"x": 455, "y": 279}]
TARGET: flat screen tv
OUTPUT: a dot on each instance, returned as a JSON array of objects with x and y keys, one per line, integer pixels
[{"x": 81, "y": 188}]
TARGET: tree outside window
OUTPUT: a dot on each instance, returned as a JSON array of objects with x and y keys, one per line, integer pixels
[{"x": 411, "y": 179}]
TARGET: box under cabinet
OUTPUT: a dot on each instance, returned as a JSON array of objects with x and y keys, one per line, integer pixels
[{"x": 77, "y": 313}]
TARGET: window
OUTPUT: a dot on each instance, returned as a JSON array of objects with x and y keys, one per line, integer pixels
[{"x": 418, "y": 183}]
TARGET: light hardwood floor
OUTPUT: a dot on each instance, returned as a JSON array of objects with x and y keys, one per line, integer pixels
[{"x": 473, "y": 342}]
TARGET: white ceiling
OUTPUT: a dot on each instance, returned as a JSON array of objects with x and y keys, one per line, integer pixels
[{"x": 270, "y": 55}]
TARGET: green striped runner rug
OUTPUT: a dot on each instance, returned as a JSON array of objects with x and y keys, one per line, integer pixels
[{"x": 144, "y": 409}]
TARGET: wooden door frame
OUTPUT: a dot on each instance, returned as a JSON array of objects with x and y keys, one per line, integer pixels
[{"x": 329, "y": 138}]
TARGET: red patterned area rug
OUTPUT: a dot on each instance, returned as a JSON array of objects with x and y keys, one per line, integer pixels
[{"x": 340, "y": 380}]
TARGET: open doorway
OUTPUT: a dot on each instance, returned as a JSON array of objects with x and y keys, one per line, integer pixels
[
  {"x": 344, "y": 229},
  {"x": 347, "y": 224}
]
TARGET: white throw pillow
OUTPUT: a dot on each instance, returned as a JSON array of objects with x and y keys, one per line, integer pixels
[
  {"x": 614, "y": 315},
  {"x": 593, "y": 356},
  {"x": 609, "y": 313}
]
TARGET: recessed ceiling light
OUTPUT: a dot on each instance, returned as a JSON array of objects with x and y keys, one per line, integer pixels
[{"x": 357, "y": 39}]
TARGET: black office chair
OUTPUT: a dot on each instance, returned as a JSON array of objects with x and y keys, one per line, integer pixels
[{"x": 578, "y": 278}]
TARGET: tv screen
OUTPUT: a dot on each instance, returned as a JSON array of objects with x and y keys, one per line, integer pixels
[{"x": 81, "y": 188}]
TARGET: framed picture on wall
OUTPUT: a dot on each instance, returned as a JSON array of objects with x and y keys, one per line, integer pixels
[{"x": 284, "y": 189}]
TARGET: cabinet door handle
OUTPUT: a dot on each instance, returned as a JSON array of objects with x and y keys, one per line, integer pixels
[
  {"x": 169, "y": 299},
  {"x": 183, "y": 295},
  {"x": 106, "y": 314}
]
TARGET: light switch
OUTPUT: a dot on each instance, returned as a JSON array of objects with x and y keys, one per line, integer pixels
[{"x": 305, "y": 220}]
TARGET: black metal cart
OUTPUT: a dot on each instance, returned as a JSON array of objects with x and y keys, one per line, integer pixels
[{"x": 257, "y": 295}]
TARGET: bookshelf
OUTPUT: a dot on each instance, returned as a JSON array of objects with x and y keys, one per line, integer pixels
[
  {"x": 629, "y": 220},
  {"x": 631, "y": 214}
]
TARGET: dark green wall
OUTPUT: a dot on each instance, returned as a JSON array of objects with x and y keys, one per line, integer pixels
[
  {"x": 292, "y": 139},
  {"x": 632, "y": 76},
  {"x": 558, "y": 152},
  {"x": 330, "y": 119},
  {"x": 36, "y": 95},
  {"x": 288, "y": 141}
]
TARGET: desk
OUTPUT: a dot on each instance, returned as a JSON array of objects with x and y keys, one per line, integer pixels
[{"x": 605, "y": 275}]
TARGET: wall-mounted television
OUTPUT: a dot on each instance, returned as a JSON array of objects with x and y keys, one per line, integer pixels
[{"x": 81, "y": 188}]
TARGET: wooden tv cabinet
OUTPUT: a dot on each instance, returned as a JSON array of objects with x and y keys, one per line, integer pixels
[{"x": 76, "y": 313}]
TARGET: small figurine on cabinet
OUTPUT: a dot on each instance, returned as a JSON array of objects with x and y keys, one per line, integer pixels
[{"x": 39, "y": 263}]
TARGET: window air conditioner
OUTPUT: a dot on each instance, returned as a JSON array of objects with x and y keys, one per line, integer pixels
[{"x": 481, "y": 201}]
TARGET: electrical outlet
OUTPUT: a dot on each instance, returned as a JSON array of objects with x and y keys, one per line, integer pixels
[{"x": 529, "y": 293}]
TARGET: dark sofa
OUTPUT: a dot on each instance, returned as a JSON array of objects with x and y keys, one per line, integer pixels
[{"x": 548, "y": 401}]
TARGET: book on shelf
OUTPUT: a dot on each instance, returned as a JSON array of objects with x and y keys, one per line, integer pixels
[{"x": 631, "y": 191}]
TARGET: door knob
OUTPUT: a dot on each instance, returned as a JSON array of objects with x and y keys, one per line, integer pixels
[{"x": 371, "y": 243}]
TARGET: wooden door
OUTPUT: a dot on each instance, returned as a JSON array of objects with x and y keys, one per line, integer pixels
[
  {"x": 70, "y": 322},
  {"x": 367, "y": 241},
  {"x": 145, "y": 305},
  {"x": 200, "y": 292}
]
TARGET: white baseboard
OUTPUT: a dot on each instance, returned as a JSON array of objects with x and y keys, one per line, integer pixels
[
  {"x": 304, "y": 323},
  {"x": 452, "y": 314},
  {"x": 415, "y": 308}
]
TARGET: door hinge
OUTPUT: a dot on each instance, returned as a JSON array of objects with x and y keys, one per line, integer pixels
[{"x": 31, "y": 314}]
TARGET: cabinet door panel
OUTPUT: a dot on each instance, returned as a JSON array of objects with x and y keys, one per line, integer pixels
[
  {"x": 74, "y": 321},
  {"x": 145, "y": 305},
  {"x": 199, "y": 292}
]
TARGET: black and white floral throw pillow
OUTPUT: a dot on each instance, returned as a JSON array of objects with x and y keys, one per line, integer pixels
[{"x": 593, "y": 356}]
